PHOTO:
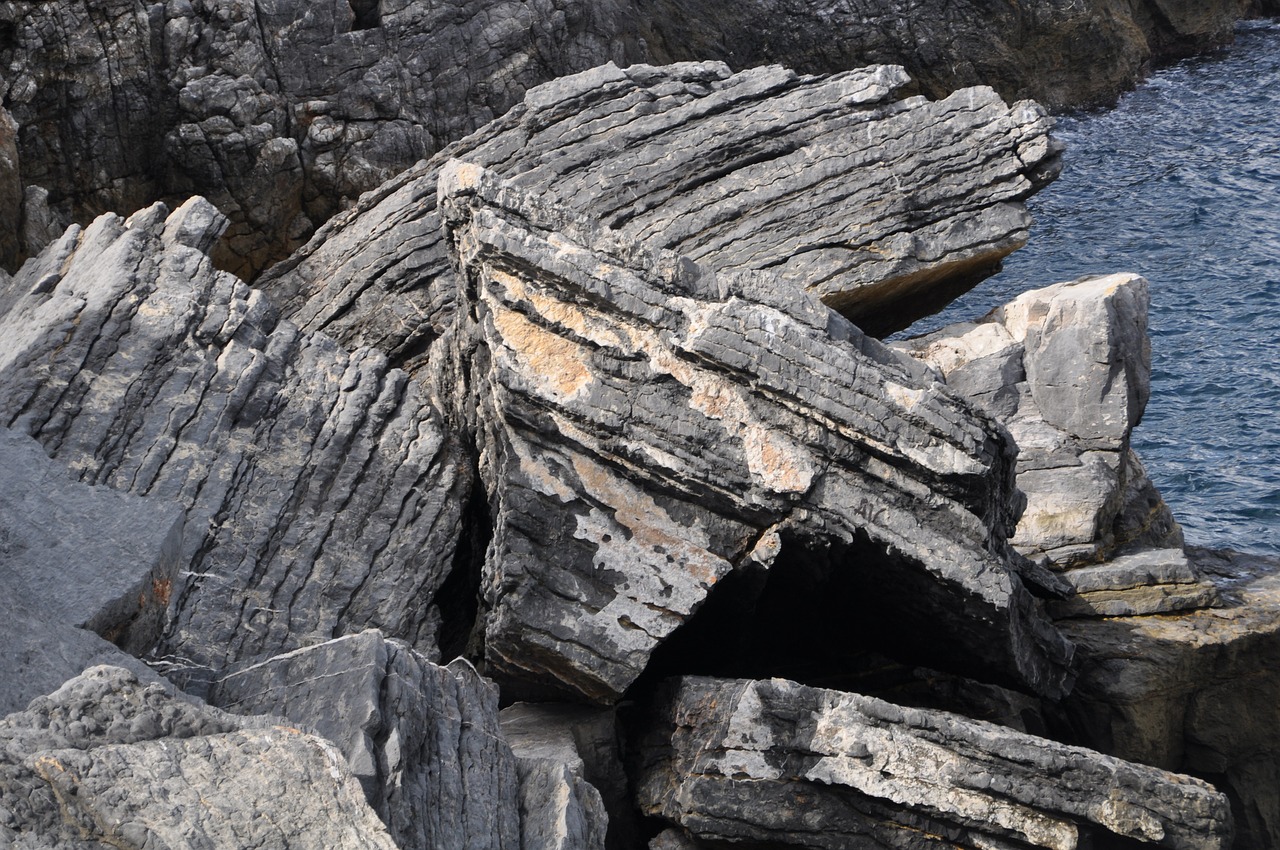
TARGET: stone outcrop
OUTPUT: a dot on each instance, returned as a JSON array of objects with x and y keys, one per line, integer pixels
[
  {"x": 282, "y": 112},
  {"x": 1196, "y": 692},
  {"x": 320, "y": 490},
  {"x": 648, "y": 427},
  {"x": 86, "y": 577},
  {"x": 108, "y": 761},
  {"x": 423, "y": 739},
  {"x": 761, "y": 170},
  {"x": 778, "y": 762}
]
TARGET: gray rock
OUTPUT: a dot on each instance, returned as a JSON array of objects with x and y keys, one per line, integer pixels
[
  {"x": 648, "y": 427},
  {"x": 106, "y": 760},
  {"x": 1068, "y": 370},
  {"x": 423, "y": 739},
  {"x": 773, "y": 761},
  {"x": 766, "y": 169},
  {"x": 82, "y": 566},
  {"x": 320, "y": 489},
  {"x": 1152, "y": 581},
  {"x": 1195, "y": 691},
  {"x": 559, "y": 810}
]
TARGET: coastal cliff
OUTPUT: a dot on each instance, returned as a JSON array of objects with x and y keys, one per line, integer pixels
[{"x": 558, "y": 491}]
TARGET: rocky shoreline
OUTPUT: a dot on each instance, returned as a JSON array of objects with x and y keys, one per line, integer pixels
[{"x": 557, "y": 491}]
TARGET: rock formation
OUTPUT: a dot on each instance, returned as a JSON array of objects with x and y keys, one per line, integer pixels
[
  {"x": 282, "y": 112},
  {"x": 108, "y": 761},
  {"x": 761, "y": 170}
]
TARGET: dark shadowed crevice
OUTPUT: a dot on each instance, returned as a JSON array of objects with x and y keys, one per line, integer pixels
[
  {"x": 368, "y": 14},
  {"x": 458, "y": 598}
]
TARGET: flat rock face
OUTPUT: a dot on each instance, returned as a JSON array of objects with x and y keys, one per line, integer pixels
[
  {"x": 766, "y": 169},
  {"x": 648, "y": 427},
  {"x": 423, "y": 739},
  {"x": 106, "y": 760},
  {"x": 778, "y": 762},
  {"x": 318, "y": 485}
]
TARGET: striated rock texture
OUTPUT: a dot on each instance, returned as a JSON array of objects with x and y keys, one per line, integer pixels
[
  {"x": 79, "y": 566},
  {"x": 777, "y": 762},
  {"x": 107, "y": 761},
  {"x": 282, "y": 111},
  {"x": 762, "y": 170},
  {"x": 1196, "y": 692},
  {"x": 648, "y": 428},
  {"x": 320, "y": 490},
  {"x": 423, "y": 740}
]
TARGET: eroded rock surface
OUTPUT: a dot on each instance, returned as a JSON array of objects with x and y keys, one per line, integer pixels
[
  {"x": 778, "y": 762},
  {"x": 648, "y": 427},
  {"x": 423, "y": 739},
  {"x": 320, "y": 490},
  {"x": 108, "y": 761},
  {"x": 766, "y": 169}
]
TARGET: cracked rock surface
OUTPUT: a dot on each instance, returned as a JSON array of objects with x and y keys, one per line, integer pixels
[
  {"x": 648, "y": 427},
  {"x": 319, "y": 487},
  {"x": 772, "y": 760}
]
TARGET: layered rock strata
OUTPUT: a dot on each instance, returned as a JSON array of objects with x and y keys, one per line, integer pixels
[
  {"x": 649, "y": 427},
  {"x": 761, "y": 170},
  {"x": 320, "y": 490},
  {"x": 281, "y": 112},
  {"x": 779, "y": 762},
  {"x": 108, "y": 761}
]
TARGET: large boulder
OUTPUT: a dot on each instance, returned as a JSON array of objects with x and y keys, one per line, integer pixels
[
  {"x": 423, "y": 739},
  {"x": 321, "y": 493},
  {"x": 764, "y": 169},
  {"x": 108, "y": 761},
  {"x": 648, "y": 428},
  {"x": 783, "y": 764}
]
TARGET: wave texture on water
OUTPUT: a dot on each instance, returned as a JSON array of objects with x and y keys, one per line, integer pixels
[{"x": 1181, "y": 183}]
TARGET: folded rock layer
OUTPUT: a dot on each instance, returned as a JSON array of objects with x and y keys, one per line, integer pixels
[
  {"x": 647, "y": 427},
  {"x": 764, "y": 169}
]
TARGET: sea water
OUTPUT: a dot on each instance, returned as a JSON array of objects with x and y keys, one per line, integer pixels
[{"x": 1180, "y": 182}]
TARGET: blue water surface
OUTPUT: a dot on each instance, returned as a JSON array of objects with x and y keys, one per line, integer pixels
[{"x": 1181, "y": 183}]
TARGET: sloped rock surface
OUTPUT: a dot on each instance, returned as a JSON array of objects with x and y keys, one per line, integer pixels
[
  {"x": 766, "y": 169},
  {"x": 1198, "y": 691},
  {"x": 1068, "y": 369},
  {"x": 649, "y": 427},
  {"x": 81, "y": 566},
  {"x": 1152, "y": 581},
  {"x": 320, "y": 490},
  {"x": 107, "y": 761},
  {"x": 778, "y": 762},
  {"x": 423, "y": 739}
]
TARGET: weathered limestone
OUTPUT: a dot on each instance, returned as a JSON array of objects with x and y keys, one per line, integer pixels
[
  {"x": 106, "y": 760},
  {"x": 423, "y": 740},
  {"x": 648, "y": 427},
  {"x": 1196, "y": 692},
  {"x": 766, "y": 169},
  {"x": 81, "y": 566},
  {"x": 777, "y": 762},
  {"x": 320, "y": 490}
]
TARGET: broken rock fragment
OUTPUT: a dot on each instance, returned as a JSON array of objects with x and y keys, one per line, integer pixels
[
  {"x": 647, "y": 427},
  {"x": 773, "y": 761}
]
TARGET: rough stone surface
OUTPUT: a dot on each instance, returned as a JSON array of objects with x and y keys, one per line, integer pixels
[
  {"x": 766, "y": 169},
  {"x": 648, "y": 427},
  {"x": 282, "y": 111},
  {"x": 108, "y": 761},
  {"x": 1196, "y": 691},
  {"x": 320, "y": 490},
  {"x": 81, "y": 566},
  {"x": 773, "y": 761},
  {"x": 423, "y": 739},
  {"x": 1152, "y": 581},
  {"x": 1068, "y": 370}
]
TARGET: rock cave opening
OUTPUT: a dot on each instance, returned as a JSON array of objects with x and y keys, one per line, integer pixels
[{"x": 368, "y": 14}]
